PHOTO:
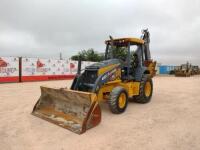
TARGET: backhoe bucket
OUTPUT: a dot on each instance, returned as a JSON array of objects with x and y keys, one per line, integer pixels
[{"x": 73, "y": 110}]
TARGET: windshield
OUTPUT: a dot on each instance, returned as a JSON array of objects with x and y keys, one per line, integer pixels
[{"x": 120, "y": 52}]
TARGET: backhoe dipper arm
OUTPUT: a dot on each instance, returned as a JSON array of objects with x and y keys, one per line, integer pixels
[{"x": 146, "y": 38}]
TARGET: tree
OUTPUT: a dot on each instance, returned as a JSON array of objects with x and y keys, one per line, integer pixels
[
  {"x": 81, "y": 55},
  {"x": 120, "y": 53},
  {"x": 91, "y": 55},
  {"x": 88, "y": 55}
]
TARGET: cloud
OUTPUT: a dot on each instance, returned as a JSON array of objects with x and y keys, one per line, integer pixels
[{"x": 45, "y": 28}]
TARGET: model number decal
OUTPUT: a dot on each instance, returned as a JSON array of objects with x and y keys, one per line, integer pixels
[{"x": 108, "y": 74}]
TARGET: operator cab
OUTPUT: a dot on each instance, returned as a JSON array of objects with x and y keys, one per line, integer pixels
[{"x": 128, "y": 50}]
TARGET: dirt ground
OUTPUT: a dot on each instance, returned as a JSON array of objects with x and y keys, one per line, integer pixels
[{"x": 171, "y": 121}]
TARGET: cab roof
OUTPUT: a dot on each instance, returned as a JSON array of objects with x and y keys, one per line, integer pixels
[{"x": 125, "y": 41}]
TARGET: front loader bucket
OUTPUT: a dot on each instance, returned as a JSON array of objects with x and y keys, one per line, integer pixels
[{"x": 73, "y": 110}]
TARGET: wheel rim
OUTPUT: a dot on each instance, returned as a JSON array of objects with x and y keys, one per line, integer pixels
[
  {"x": 147, "y": 89},
  {"x": 122, "y": 100}
]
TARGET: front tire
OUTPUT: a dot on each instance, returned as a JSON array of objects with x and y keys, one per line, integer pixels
[{"x": 118, "y": 100}]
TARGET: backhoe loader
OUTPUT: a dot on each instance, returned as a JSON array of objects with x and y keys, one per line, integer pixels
[
  {"x": 195, "y": 70},
  {"x": 115, "y": 81},
  {"x": 184, "y": 70}
]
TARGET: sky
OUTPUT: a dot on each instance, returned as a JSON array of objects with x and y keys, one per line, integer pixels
[{"x": 44, "y": 28}]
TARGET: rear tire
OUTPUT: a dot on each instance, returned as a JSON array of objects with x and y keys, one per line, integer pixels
[
  {"x": 145, "y": 90},
  {"x": 118, "y": 100}
]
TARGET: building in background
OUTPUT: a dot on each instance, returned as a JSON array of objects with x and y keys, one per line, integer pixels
[{"x": 165, "y": 69}]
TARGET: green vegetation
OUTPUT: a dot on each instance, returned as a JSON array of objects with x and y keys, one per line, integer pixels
[
  {"x": 88, "y": 55},
  {"x": 92, "y": 55}
]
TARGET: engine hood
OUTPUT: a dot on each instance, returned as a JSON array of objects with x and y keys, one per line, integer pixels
[{"x": 104, "y": 63}]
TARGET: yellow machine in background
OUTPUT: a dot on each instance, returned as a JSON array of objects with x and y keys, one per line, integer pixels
[
  {"x": 114, "y": 80},
  {"x": 185, "y": 70},
  {"x": 195, "y": 70}
]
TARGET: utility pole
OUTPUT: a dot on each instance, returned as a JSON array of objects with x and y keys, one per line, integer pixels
[{"x": 61, "y": 56}]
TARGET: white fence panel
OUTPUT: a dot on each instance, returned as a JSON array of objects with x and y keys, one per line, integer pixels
[
  {"x": 9, "y": 66},
  {"x": 41, "y": 66}
]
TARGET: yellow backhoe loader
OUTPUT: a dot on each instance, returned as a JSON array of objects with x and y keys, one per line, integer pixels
[
  {"x": 195, "y": 70},
  {"x": 184, "y": 70},
  {"x": 116, "y": 80}
]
